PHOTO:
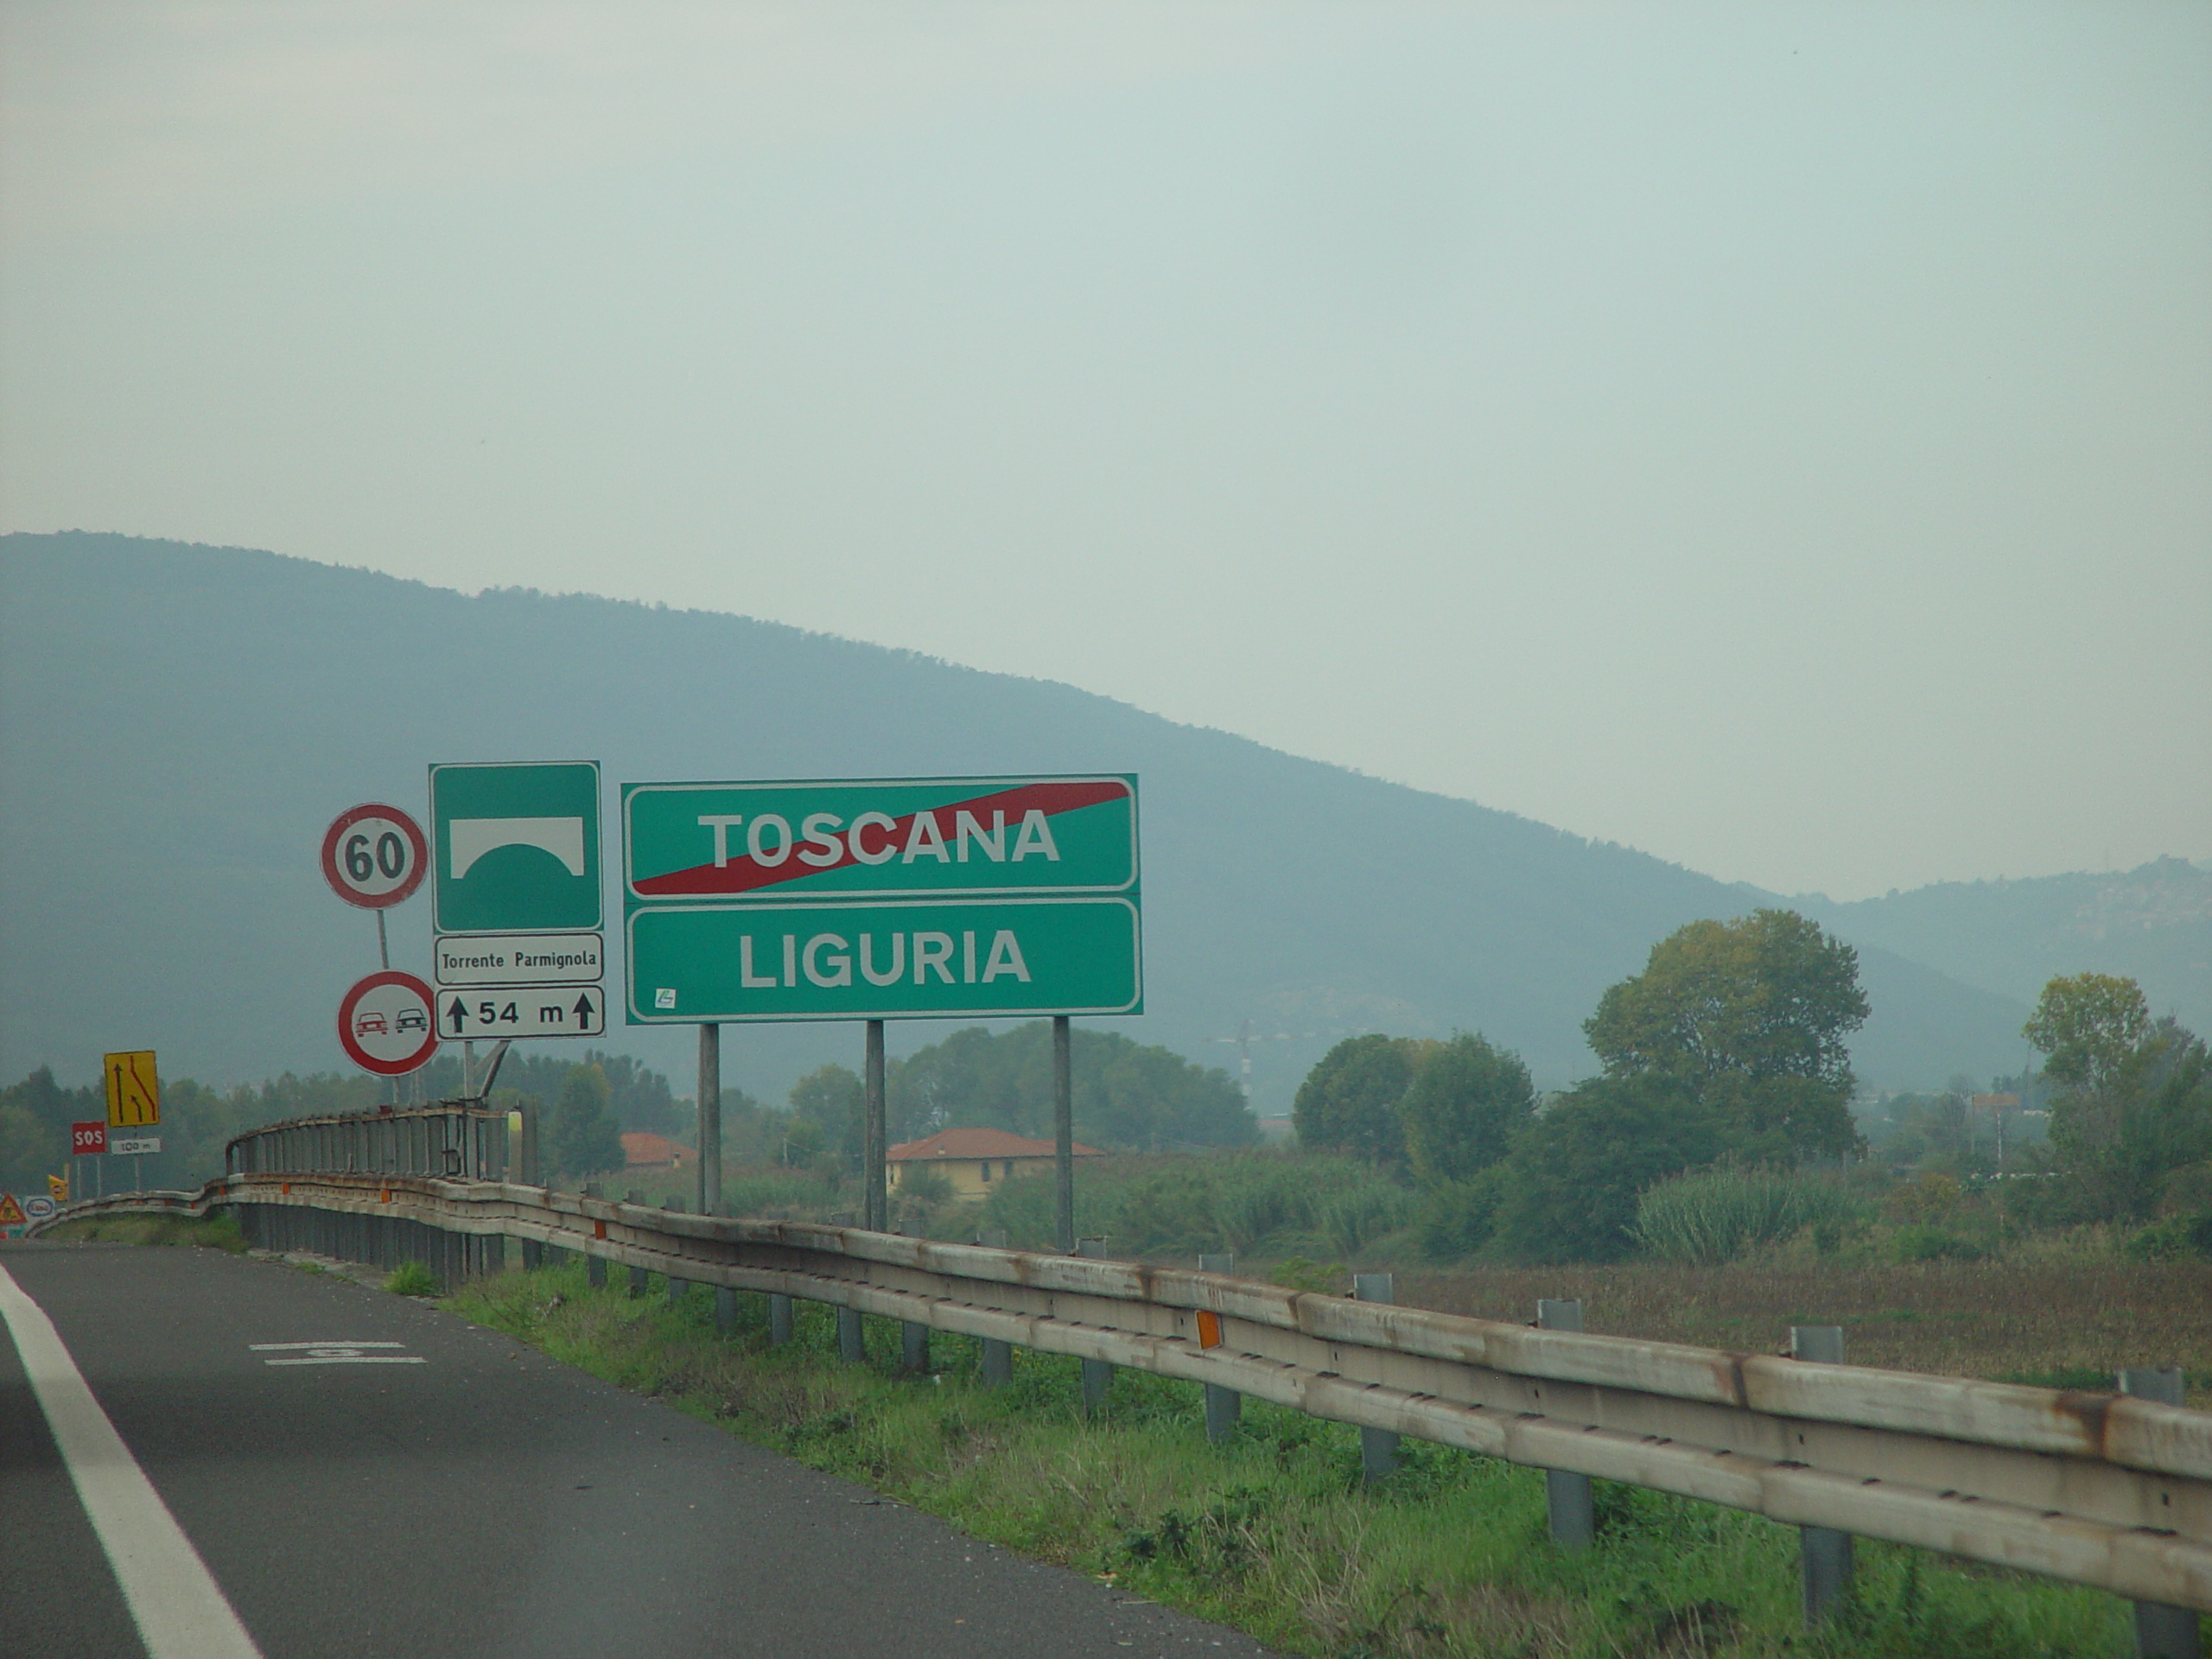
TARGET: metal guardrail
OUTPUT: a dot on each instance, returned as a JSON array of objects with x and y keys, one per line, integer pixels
[{"x": 2096, "y": 1489}]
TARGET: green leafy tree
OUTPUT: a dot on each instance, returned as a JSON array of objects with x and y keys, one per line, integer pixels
[
  {"x": 585, "y": 1138},
  {"x": 2139, "y": 1137},
  {"x": 834, "y": 1101},
  {"x": 1569, "y": 1191},
  {"x": 1127, "y": 1094},
  {"x": 1462, "y": 1108},
  {"x": 2089, "y": 1026},
  {"x": 1752, "y": 1017},
  {"x": 1349, "y": 1101}
]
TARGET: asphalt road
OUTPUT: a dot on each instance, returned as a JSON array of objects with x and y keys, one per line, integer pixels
[{"x": 456, "y": 1494}]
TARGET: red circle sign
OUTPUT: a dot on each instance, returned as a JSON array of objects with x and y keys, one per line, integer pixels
[
  {"x": 374, "y": 856},
  {"x": 388, "y": 1024}
]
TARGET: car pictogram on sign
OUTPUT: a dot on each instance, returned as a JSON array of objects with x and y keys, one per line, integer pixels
[{"x": 384, "y": 1023}]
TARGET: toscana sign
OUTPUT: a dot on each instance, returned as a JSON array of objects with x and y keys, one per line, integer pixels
[{"x": 881, "y": 898}]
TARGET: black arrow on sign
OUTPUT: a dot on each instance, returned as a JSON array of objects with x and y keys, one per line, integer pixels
[
  {"x": 460, "y": 1012},
  {"x": 583, "y": 1010}
]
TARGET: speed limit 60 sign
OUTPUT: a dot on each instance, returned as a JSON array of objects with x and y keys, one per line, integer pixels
[{"x": 374, "y": 856}]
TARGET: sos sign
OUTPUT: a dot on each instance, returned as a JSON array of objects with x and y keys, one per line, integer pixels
[{"x": 374, "y": 856}]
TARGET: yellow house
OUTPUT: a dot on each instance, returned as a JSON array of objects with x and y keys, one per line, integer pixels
[{"x": 975, "y": 1160}]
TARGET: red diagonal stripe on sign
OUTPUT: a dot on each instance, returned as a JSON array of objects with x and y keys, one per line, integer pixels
[{"x": 742, "y": 874}]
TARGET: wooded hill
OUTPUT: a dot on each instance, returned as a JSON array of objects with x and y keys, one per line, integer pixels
[{"x": 178, "y": 723}]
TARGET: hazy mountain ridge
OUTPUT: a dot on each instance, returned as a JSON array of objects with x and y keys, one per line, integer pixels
[
  {"x": 2152, "y": 924},
  {"x": 183, "y": 721}
]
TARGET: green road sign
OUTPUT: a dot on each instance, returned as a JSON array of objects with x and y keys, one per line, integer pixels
[
  {"x": 515, "y": 848},
  {"x": 985, "y": 958},
  {"x": 899, "y": 837}
]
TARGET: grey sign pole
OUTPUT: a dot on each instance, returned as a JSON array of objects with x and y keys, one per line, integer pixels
[
  {"x": 2162, "y": 1631},
  {"x": 877, "y": 1218},
  {"x": 1063, "y": 1136},
  {"x": 1568, "y": 1496},
  {"x": 710, "y": 1119},
  {"x": 1823, "y": 1553}
]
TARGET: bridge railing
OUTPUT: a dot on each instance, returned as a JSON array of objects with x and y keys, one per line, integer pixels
[
  {"x": 2097, "y": 1489},
  {"x": 450, "y": 1139}
]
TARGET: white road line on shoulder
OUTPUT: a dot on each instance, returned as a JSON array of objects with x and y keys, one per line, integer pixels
[
  {"x": 335, "y": 1342},
  {"x": 180, "y": 1610},
  {"x": 352, "y": 1359}
]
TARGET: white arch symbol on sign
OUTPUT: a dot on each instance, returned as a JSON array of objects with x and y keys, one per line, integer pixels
[{"x": 473, "y": 837}]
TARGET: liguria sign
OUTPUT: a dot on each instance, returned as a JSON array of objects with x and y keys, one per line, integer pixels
[{"x": 881, "y": 898}]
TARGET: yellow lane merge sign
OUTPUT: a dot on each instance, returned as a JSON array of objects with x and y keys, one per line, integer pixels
[{"x": 134, "y": 1093}]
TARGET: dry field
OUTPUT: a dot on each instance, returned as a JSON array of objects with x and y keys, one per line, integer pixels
[{"x": 2044, "y": 1321}]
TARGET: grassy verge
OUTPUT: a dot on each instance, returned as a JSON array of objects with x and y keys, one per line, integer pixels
[
  {"x": 217, "y": 1232},
  {"x": 1274, "y": 1533}
]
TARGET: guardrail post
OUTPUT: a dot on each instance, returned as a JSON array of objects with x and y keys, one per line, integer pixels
[
  {"x": 1568, "y": 1498},
  {"x": 1823, "y": 1553},
  {"x": 779, "y": 1320},
  {"x": 996, "y": 1369},
  {"x": 1097, "y": 1374},
  {"x": 1378, "y": 1447},
  {"x": 914, "y": 1339},
  {"x": 851, "y": 1341},
  {"x": 1223, "y": 1405},
  {"x": 725, "y": 1310},
  {"x": 677, "y": 1289},
  {"x": 2162, "y": 1631}
]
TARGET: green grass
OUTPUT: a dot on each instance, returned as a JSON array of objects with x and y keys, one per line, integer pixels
[
  {"x": 1274, "y": 1533},
  {"x": 410, "y": 1278},
  {"x": 214, "y": 1232}
]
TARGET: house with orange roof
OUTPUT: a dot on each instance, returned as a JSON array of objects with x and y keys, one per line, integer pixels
[
  {"x": 644, "y": 1150},
  {"x": 975, "y": 1160}
]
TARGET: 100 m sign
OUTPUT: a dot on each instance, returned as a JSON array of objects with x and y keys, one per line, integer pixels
[{"x": 980, "y": 958}]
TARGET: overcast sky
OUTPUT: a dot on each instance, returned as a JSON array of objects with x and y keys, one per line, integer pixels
[{"x": 1776, "y": 436}]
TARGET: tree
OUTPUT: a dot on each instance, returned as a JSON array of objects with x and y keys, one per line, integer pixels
[
  {"x": 586, "y": 1139},
  {"x": 1568, "y": 1192},
  {"x": 834, "y": 1101},
  {"x": 1349, "y": 1101},
  {"x": 2122, "y": 1143},
  {"x": 1461, "y": 1111},
  {"x": 2089, "y": 1026},
  {"x": 1127, "y": 1094},
  {"x": 1752, "y": 1017}
]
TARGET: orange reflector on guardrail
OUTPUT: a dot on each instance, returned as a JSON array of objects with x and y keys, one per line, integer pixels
[
  {"x": 386, "y": 1197},
  {"x": 1209, "y": 1328},
  {"x": 599, "y": 1229},
  {"x": 288, "y": 1189}
]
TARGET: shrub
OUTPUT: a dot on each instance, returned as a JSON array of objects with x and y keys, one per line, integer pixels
[
  {"x": 1923, "y": 1242},
  {"x": 1571, "y": 1185},
  {"x": 1930, "y": 1196},
  {"x": 1363, "y": 1216},
  {"x": 1716, "y": 1215},
  {"x": 2173, "y": 1239},
  {"x": 1458, "y": 1218}
]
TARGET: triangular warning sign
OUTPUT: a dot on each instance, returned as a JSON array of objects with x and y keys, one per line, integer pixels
[{"x": 11, "y": 1213}]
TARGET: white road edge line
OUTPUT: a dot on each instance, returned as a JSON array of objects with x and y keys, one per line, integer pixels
[{"x": 180, "y": 1610}]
